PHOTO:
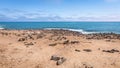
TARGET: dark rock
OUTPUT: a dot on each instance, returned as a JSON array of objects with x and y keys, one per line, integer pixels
[
  {"x": 41, "y": 35},
  {"x": 60, "y": 61},
  {"x": 30, "y": 37},
  {"x": 55, "y": 58},
  {"x": 98, "y": 48},
  {"x": 111, "y": 51},
  {"x": 61, "y": 38},
  {"x": 21, "y": 39},
  {"x": 74, "y": 42},
  {"x": 66, "y": 42},
  {"x": 77, "y": 50},
  {"x": 100, "y": 36},
  {"x": 108, "y": 40},
  {"x": 53, "y": 44},
  {"x": 70, "y": 42},
  {"x": 26, "y": 43},
  {"x": 86, "y": 66},
  {"x": 87, "y": 50}
]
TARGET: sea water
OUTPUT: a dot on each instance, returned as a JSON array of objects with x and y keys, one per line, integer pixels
[{"x": 84, "y": 27}]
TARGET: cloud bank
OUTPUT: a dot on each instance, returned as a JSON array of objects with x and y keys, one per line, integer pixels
[{"x": 19, "y": 15}]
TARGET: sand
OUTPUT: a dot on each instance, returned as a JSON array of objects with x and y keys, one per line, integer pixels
[{"x": 34, "y": 49}]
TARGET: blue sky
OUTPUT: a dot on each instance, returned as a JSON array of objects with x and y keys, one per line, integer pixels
[{"x": 59, "y": 10}]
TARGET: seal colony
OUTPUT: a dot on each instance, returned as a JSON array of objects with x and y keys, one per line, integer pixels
[{"x": 58, "y": 49}]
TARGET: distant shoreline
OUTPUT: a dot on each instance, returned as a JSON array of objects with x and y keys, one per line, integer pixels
[
  {"x": 69, "y": 32},
  {"x": 62, "y": 30}
]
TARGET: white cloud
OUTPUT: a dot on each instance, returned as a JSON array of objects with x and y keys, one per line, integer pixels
[{"x": 19, "y": 15}]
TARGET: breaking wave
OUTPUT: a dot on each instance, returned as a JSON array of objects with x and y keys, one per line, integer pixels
[
  {"x": 1, "y": 28},
  {"x": 77, "y": 30}
]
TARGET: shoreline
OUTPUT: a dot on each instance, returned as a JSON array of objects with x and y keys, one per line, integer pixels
[
  {"x": 97, "y": 36},
  {"x": 62, "y": 29}
]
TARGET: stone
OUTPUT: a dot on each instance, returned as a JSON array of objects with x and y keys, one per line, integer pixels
[
  {"x": 21, "y": 39},
  {"x": 61, "y": 61},
  {"x": 26, "y": 43},
  {"x": 55, "y": 58},
  {"x": 111, "y": 51},
  {"x": 53, "y": 44},
  {"x": 77, "y": 50},
  {"x": 66, "y": 42},
  {"x": 74, "y": 42},
  {"x": 87, "y": 50}
]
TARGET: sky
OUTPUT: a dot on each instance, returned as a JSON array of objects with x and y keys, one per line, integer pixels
[{"x": 59, "y": 10}]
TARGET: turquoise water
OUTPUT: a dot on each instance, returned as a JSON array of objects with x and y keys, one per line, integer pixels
[{"x": 86, "y": 27}]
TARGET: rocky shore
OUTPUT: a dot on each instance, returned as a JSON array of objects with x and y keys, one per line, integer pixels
[{"x": 58, "y": 49}]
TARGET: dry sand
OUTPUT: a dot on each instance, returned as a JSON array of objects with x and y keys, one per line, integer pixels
[{"x": 34, "y": 48}]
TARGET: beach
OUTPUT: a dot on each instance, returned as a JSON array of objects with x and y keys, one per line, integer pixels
[{"x": 58, "y": 49}]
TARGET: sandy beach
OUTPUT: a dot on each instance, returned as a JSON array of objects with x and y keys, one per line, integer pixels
[{"x": 58, "y": 49}]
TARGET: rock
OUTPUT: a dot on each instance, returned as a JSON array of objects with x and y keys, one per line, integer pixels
[
  {"x": 61, "y": 38},
  {"x": 108, "y": 40},
  {"x": 99, "y": 36},
  {"x": 28, "y": 44},
  {"x": 86, "y": 66},
  {"x": 41, "y": 35},
  {"x": 87, "y": 50},
  {"x": 70, "y": 42},
  {"x": 115, "y": 50},
  {"x": 74, "y": 42},
  {"x": 60, "y": 61},
  {"x": 55, "y": 58},
  {"x": 53, "y": 44},
  {"x": 77, "y": 50},
  {"x": 98, "y": 48},
  {"x": 66, "y": 42},
  {"x": 30, "y": 37},
  {"x": 111, "y": 51},
  {"x": 21, "y": 39}
]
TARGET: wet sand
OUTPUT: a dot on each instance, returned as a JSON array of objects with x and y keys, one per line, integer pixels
[{"x": 58, "y": 49}]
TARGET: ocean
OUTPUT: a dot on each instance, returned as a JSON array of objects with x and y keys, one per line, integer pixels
[{"x": 84, "y": 27}]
